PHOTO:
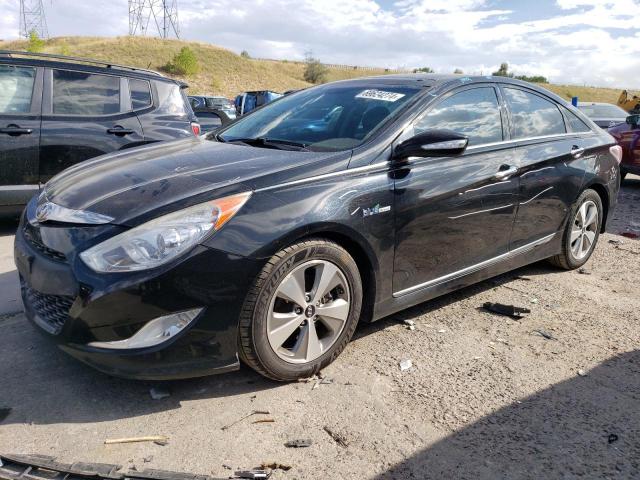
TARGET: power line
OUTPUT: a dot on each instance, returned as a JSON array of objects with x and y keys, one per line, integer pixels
[
  {"x": 32, "y": 19},
  {"x": 151, "y": 16}
]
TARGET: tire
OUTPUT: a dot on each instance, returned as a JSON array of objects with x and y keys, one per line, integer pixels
[
  {"x": 269, "y": 311},
  {"x": 623, "y": 174},
  {"x": 573, "y": 254}
]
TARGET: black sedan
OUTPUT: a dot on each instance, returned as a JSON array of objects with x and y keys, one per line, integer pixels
[{"x": 269, "y": 240}]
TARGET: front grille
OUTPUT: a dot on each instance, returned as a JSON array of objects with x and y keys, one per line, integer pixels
[
  {"x": 32, "y": 235},
  {"x": 53, "y": 310}
]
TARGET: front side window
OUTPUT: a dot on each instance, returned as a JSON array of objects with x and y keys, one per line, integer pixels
[
  {"x": 474, "y": 113},
  {"x": 331, "y": 117},
  {"x": 532, "y": 115},
  {"x": 80, "y": 93},
  {"x": 16, "y": 88},
  {"x": 140, "y": 93}
]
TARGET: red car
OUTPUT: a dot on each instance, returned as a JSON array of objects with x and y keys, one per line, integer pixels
[{"x": 628, "y": 137}]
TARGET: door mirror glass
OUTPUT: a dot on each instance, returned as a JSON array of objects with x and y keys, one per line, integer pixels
[
  {"x": 633, "y": 120},
  {"x": 432, "y": 143}
]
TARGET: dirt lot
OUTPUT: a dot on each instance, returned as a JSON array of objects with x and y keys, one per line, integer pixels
[{"x": 488, "y": 397}]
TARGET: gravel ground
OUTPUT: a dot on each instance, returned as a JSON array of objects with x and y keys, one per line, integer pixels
[{"x": 487, "y": 397}]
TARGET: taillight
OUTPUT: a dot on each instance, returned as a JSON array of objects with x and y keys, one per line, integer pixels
[
  {"x": 616, "y": 151},
  {"x": 195, "y": 128}
]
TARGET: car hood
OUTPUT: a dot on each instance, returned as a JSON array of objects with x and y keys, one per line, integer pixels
[{"x": 131, "y": 183}]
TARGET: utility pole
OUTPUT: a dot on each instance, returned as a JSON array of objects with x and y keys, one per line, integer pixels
[
  {"x": 147, "y": 14},
  {"x": 32, "y": 19}
]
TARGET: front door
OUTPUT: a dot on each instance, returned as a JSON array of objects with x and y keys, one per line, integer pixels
[
  {"x": 20, "y": 96},
  {"x": 455, "y": 213},
  {"x": 84, "y": 115}
]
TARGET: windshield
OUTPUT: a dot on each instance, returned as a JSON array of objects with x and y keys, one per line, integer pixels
[
  {"x": 327, "y": 118},
  {"x": 216, "y": 102},
  {"x": 603, "y": 111}
]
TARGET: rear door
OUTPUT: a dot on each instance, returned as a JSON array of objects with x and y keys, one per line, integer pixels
[
  {"x": 549, "y": 152},
  {"x": 84, "y": 115},
  {"x": 20, "y": 100},
  {"x": 454, "y": 213}
]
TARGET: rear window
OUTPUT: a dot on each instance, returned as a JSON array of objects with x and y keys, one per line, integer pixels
[
  {"x": 171, "y": 100},
  {"x": 532, "y": 115},
  {"x": 575, "y": 124},
  {"x": 16, "y": 87},
  {"x": 79, "y": 93},
  {"x": 140, "y": 93}
]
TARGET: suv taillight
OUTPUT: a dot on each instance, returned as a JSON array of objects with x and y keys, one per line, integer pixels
[
  {"x": 195, "y": 128},
  {"x": 616, "y": 151}
]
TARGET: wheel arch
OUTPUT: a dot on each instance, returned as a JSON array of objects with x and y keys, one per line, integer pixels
[{"x": 603, "y": 193}]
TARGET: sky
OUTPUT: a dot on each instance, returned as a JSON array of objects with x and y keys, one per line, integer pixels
[{"x": 584, "y": 42}]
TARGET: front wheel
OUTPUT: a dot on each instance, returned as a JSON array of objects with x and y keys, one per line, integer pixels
[
  {"x": 302, "y": 310},
  {"x": 582, "y": 231}
]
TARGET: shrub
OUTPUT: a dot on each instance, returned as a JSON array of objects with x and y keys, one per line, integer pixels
[
  {"x": 314, "y": 71},
  {"x": 183, "y": 63},
  {"x": 423, "y": 70},
  {"x": 36, "y": 44},
  {"x": 245, "y": 54},
  {"x": 457, "y": 71}
]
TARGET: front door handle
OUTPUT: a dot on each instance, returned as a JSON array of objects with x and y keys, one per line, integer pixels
[
  {"x": 15, "y": 130},
  {"x": 576, "y": 151},
  {"x": 118, "y": 130},
  {"x": 505, "y": 172}
]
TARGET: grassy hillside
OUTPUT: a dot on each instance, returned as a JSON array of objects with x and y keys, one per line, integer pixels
[{"x": 225, "y": 73}]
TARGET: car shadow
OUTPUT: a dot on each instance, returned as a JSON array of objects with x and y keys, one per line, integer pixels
[{"x": 585, "y": 427}]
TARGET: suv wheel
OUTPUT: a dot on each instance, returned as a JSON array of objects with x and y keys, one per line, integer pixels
[
  {"x": 582, "y": 231},
  {"x": 301, "y": 312}
]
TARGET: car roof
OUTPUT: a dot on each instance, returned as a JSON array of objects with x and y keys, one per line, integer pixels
[{"x": 76, "y": 63}]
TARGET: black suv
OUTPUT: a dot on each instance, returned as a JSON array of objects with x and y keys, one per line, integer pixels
[{"x": 56, "y": 111}]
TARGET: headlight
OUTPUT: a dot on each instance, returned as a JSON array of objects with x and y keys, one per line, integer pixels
[{"x": 161, "y": 240}]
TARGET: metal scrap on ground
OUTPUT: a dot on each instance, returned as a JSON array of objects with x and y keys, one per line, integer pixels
[
  {"x": 152, "y": 438},
  {"x": 299, "y": 443},
  {"x": 507, "y": 310},
  {"x": 339, "y": 439},
  {"x": 254, "y": 412}
]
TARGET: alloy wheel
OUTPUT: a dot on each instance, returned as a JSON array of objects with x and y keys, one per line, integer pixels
[
  {"x": 584, "y": 230},
  {"x": 308, "y": 311}
]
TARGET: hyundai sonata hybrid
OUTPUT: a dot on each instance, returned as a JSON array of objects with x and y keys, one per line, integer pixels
[{"x": 270, "y": 239}]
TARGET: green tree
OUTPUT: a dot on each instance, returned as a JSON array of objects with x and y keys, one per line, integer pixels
[
  {"x": 183, "y": 63},
  {"x": 314, "y": 71},
  {"x": 36, "y": 44},
  {"x": 245, "y": 54},
  {"x": 503, "y": 71},
  {"x": 423, "y": 70},
  {"x": 532, "y": 79}
]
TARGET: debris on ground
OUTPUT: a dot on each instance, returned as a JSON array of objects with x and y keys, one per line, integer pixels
[
  {"x": 264, "y": 420},
  {"x": 252, "y": 474},
  {"x": 411, "y": 325},
  {"x": 442, "y": 331},
  {"x": 612, "y": 438},
  {"x": 338, "y": 438},
  {"x": 299, "y": 443},
  {"x": 322, "y": 381},
  {"x": 522, "y": 277},
  {"x": 502, "y": 340},
  {"x": 534, "y": 300},
  {"x": 147, "y": 459},
  {"x": 630, "y": 235},
  {"x": 614, "y": 241},
  {"x": 584, "y": 271},
  {"x": 4, "y": 412},
  {"x": 276, "y": 466},
  {"x": 254, "y": 412},
  {"x": 544, "y": 334},
  {"x": 158, "y": 393},
  {"x": 507, "y": 310},
  {"x": 226, "y": 467},
  {"x": 582, "y": 372},
  {"x": 153, "y": 438},
  {"x": 405, "y": 364}
]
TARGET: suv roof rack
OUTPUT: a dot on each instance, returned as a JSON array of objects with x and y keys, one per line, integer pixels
[{"x": 12, "y": 53}]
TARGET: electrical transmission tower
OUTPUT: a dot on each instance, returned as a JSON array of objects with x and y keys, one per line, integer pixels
[
  {"x": 32, "y": 19},
  {"x": 160, "y": 16}
]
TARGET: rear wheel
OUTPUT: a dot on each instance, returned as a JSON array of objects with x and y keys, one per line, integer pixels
[
  {"x": 582, "y": 231},
  {"x": 301, "y": 312}
]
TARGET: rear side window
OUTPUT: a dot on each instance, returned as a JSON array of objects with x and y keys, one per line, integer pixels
[
  {"x": 16, "y": 88},
  {"x": 575, "y": 124},
  {"x": 79, "y": 93},
  {"x": 474, "y": 113},
  {"x": 533, "y": 116},
  {"x": 140, "y": 93}
]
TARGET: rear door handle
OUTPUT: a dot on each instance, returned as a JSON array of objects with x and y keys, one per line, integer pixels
[
  {"x": 117, "y": 130},
  {"x": 576, "y": 151},
  {"x": 15, "y": 130},
  {"x": 505, "y": 172}
]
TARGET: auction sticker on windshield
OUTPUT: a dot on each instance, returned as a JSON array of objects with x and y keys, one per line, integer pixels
[{"x": 380, "y": 95}]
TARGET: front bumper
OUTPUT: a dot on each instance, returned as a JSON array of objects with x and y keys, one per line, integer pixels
[{"x": 74, "y": 306}]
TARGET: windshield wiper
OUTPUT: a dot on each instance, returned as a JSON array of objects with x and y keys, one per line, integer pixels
[{"x": 269, "y": 143}]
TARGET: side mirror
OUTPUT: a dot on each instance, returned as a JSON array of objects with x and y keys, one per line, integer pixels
[
  {"x": 432, "y": 143},
  {"x": 633, "y": 120}
]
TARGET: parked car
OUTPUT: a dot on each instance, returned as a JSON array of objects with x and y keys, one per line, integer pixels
[
  {"x": 605, "y": 115},
  {"x": 211, "y": 119},
  {"x": 269, "y": 241},
  {"x": 628, "y": 137},
  {"x": 248, "y": 101},
  {"x": 56, "y": 111},
  {"x": 202, "y": 102}
]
